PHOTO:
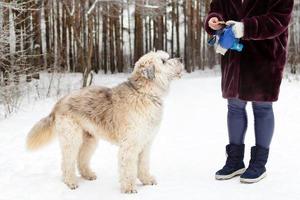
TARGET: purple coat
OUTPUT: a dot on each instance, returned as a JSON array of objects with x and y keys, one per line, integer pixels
[{"x": 256, "y": 73}]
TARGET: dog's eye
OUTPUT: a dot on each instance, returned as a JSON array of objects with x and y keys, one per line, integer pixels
[{"x": 163, "y": 61}]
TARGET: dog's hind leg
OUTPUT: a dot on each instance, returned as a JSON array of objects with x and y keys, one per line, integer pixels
[
  {"x": 86, "y": 151},
  {"x": 70, "y": 138},
  {"x": 144, "y": 167}
]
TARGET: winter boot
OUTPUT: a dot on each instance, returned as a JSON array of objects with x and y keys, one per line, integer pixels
[
  {"x": 256, "y": 170},
  {"x": 234, "y": 164}
]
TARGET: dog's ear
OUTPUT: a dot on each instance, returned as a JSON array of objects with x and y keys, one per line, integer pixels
[{"x": 149, "y": 72}]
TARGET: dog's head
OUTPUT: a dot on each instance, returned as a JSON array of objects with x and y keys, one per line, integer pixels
[{"x": 159, "y": 68}]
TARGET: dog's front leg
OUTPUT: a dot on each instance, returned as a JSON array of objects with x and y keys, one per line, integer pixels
[
  {"x": 128, "y": 160},
  {"x": 144, "y": 167}
]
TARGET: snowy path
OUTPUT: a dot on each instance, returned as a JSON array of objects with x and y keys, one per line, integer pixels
[{"x": 187, "y": 151}]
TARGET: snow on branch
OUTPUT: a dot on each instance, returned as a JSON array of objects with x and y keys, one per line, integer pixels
[
  {"x": 92, "y": 7},
  {"x": 151, "y": 6},
  {"x": 18, "y": 6}
]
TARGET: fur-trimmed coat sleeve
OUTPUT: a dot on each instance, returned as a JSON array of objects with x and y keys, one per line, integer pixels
[{"x": 215, "y": 11}]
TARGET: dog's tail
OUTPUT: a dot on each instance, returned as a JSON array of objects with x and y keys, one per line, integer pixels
[{"x": 41, "y": 133}]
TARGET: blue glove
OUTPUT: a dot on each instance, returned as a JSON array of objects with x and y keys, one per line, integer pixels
[{"x": 228, "y": 41}]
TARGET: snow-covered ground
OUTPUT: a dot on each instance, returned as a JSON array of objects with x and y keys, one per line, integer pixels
[{"x": 187, "y": 151}]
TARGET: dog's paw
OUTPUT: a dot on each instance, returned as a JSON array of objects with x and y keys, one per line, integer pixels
[
  {"x": 129, "y": 189},
  {"x": 71, "y": 182},
  {"x": 89, "y": 176},
  {"x": 148, "y": 180},
  {"x": 72, "y": 186}
]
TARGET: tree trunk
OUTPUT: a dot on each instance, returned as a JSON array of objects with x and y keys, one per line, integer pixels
[
  {"x": 104, "y": 36},
  {"x": 138, "y": 31}
]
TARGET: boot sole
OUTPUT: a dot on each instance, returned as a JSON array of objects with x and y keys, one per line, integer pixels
[
  {"x": 245, "y": 180},
  {"x": 230, "y": 176}
]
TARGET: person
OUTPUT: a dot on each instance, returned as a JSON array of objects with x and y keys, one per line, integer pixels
[{"x": 253, "y": 75}]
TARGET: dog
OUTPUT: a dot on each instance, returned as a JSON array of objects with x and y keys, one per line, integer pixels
[{"x": 128, "y": 115}]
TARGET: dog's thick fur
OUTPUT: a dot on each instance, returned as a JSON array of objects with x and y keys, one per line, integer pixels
[{"x": 127, "y": 115}]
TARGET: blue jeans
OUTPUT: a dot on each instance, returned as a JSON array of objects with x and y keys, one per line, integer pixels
[{"x": 237, "y": 121}]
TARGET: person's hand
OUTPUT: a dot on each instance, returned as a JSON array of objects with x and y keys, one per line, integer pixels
[
  {"x": 215, "y": 24},
  {"x": 237, "y": 28}
]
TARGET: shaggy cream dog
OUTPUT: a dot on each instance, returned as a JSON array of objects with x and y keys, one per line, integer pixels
[{"x": 127, "y": 115}]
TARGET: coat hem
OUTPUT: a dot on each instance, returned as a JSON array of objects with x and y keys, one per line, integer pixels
[{"x": 251, "y": 99}]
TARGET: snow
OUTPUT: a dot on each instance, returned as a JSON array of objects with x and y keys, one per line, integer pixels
[
  {"x": 92, "y": 7},
  {"x": 151, "y": 6},
  {"x": 187, "y": 151}
]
